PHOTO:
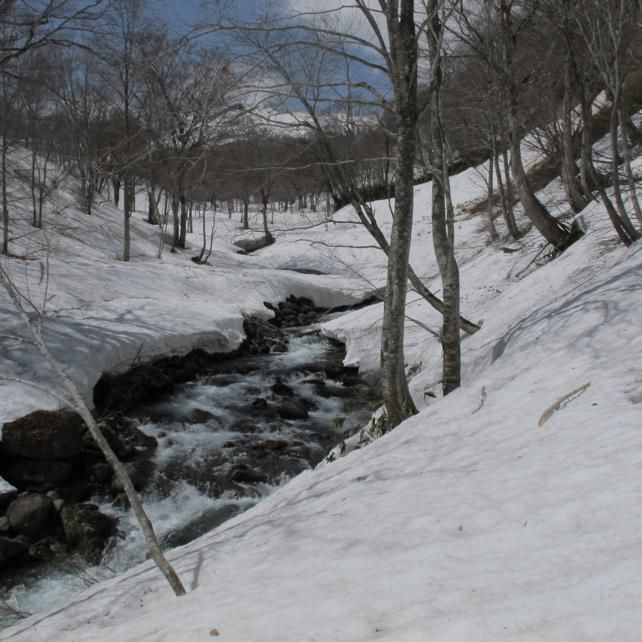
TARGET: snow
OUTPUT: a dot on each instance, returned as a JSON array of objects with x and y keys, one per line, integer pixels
[{"x": 470, "y": 521}]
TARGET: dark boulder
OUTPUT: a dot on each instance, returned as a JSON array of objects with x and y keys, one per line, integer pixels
[
  {"x": 47, "y": 548},
  {"x": 292, "y": 409},
  {"x": 200, "y": 416},
  {"x": 282, "y": 389},
  {"x": 244, "y": 474},
  {"x": 11, "y": 549},
  {"x": 144, "y": 383},
  {"x": 139, "y": 472},
  {"x": 87, "y": 530},
  {"x": 262, "y": 337},
  {"x": 44, "y": 434},
  {"x": 5, "y": 499},
  {"x": 123, "y": 435},
  {"x": 33, "y": 474},
  {"x": 30, "y": 514},
  {"x": 294, "y": 311}
]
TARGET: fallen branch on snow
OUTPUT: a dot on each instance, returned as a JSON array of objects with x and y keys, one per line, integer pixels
[{"x": 548, "y": 413}]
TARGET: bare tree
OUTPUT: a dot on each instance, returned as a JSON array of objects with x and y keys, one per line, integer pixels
[
  {"x": 495, "y": 32},
  {"x": 443, "y": 216},
  {"x": 191, "y": 91},
  {"x": 607, "y": 27}
]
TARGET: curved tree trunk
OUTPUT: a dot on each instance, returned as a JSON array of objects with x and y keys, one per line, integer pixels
[{"x": 548, "y": 226}]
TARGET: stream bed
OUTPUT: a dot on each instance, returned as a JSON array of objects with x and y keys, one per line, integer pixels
[{"x": 230, "y": 437}]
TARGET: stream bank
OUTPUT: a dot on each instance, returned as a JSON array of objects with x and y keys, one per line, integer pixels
[{"x": 204, "y": 437}]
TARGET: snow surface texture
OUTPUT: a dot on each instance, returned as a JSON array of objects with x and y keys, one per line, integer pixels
[{"x": 510, "y": 510}]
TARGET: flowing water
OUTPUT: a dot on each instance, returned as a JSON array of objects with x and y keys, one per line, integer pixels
[{"x": 225, "y": 441}]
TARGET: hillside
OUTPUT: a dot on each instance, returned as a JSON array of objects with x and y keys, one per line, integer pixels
[{"x": 507, "y": 511}]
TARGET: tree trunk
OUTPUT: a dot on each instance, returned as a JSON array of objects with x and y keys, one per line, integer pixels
[
  {"x": 403, "y": 45},
  {"x": 116, "y": 185},
  {"x": 510, "y": 199},
  {"x": 507, "y": 206},
  {"x": 494, "y": 235},
  {"x": 625, "y": 221},
  {"x": 246, "y": 212},
  {"x": 608, "y": 204},
  {"x": 572, "y": 187},
  {"x": 153, "y": 215},
  {"x": 176, "y": 221},
  {"x": 265, "y": 200},
  {"x": 626, "y": 149},
  {"x": 127, "y": 215},
  {"x": 634, "y": 134},
  {"x": 443, "y": 228},
  {"x": 34, "y": 200},
  {"x": 182, "y": 236},
  {"x": 548, "y": 226},
  {"x": 5, "y": 196}
]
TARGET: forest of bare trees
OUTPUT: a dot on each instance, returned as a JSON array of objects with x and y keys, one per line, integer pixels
[{"x": 293, "y": 108}]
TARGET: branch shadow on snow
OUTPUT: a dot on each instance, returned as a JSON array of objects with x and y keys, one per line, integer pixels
[{"x": 551, "y": 318}]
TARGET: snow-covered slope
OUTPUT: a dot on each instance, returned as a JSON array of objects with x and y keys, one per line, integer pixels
[
  {"x": 509, "y": 510},
  {"x": 103, "y": 313}
]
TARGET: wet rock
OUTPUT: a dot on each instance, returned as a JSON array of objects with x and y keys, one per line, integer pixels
[
  {"x": 30, "y": 514},
  {"x": 182, "y": 368},
  {"x": 4, "y": 524},
  {"x": 292, "y": 409},
  {"x": 123, "y": 435},
  {"x": 100, "y": 473},
  {"x": 143, "y": 383},
  {"x": 139, "y": 472},
  {"x": 259, "y": 408},
  {"x": 270, "y": 444},
  {"x": 221, "y": 380},
  {"x": 251, "y": 391},
  {"x": 242, "y": 473},
  {"x": 78, "y": 490},
  {"x": 298, "y": 452},
  {"x": 11, "y": 549},
  {"x": 199, "y": 416},
  {"x": 262, "y": 337},
  {"x": 31, "y": 474},
  {"x": 87, "y": 530},
  {"x": 6, "y": 499},
  {"x": 294, "y": 312},
  {"x": 47, "y": 549},
  {"x": 260, "y": 404},
  {"x": 282, "y": 389},
  {"x": 44, "y": 434}
]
